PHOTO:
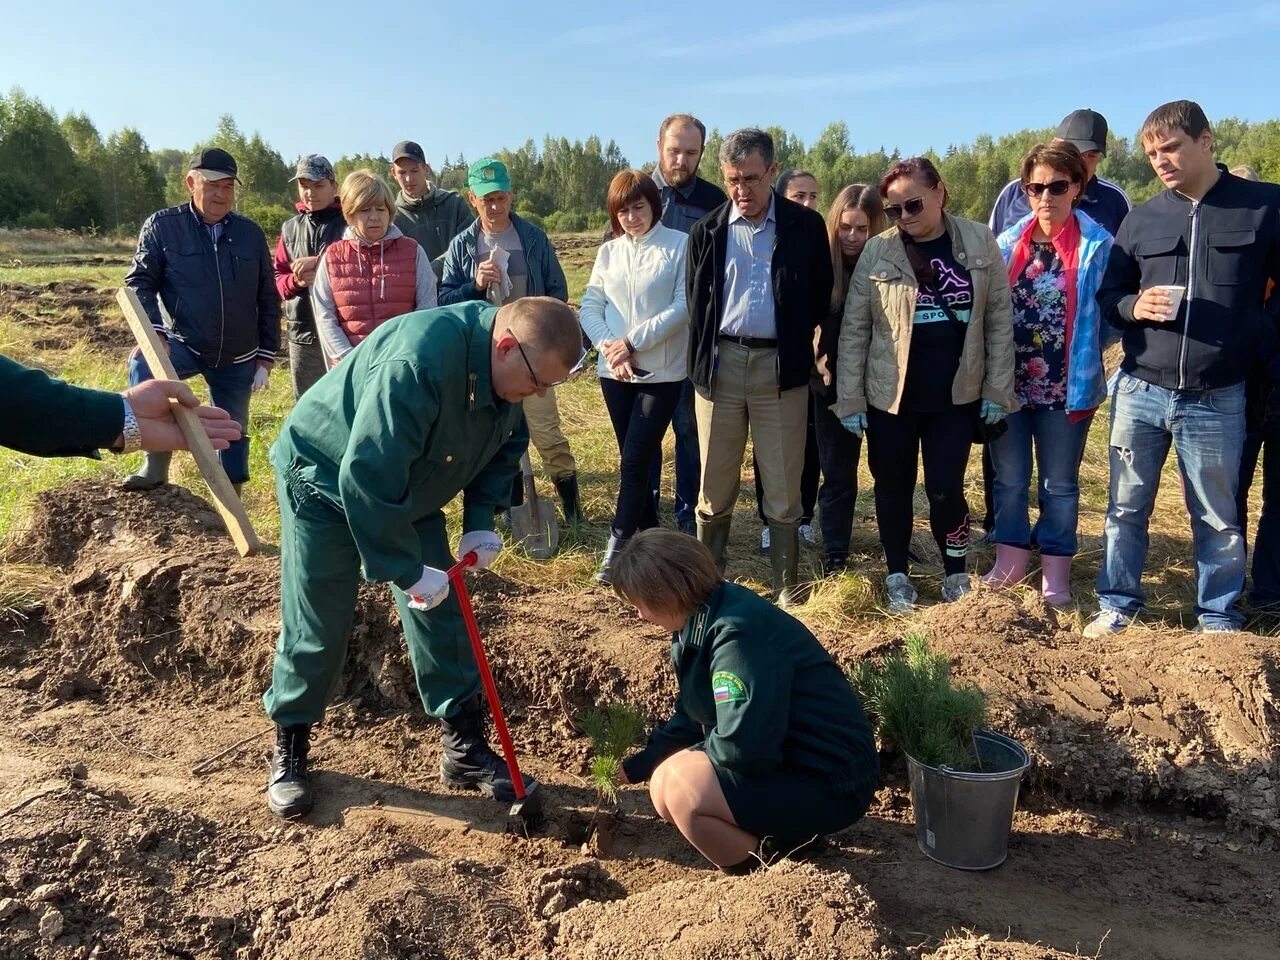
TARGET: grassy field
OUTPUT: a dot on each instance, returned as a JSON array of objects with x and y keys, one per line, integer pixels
[{"x": 844, "y": 602}]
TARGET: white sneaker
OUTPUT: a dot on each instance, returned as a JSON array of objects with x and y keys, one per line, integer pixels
[
  {"x": 955, "y": 586},
  {"x": 807, "y": 537},
  {"x": 900, "y": 595},
  {"x": 764, "y": 542},
  {"x": 1107, "y": 622}
]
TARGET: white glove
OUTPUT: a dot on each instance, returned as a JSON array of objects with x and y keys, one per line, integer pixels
[
  {"x": 485, "y": 543},
  {"x": 430, "y": 590},
  {"x": 260, "y": 377}
]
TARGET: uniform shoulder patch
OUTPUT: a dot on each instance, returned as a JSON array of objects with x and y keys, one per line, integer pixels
[{"x": 728, "y": 687}]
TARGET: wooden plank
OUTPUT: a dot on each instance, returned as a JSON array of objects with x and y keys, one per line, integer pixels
[{"x": 224, "y": 494}]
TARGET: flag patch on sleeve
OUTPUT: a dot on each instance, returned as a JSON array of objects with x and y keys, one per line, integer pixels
[{"x": 728, "y": 687}]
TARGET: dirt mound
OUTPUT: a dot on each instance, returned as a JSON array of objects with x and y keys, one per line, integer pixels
[
  {"x": 1163, "y": 716},
  {"x": 788, "y": 912},
  {"x": 67, "y": 311},
  {"x": 984, "y": 948}
]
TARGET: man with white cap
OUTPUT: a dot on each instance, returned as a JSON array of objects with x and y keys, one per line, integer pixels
[{"x": 210, "y": 269}]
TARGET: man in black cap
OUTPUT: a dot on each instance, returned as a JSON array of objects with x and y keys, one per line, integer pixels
[
  {"x": 426, "y": 211},
  {"x": 1104, "y": 201},
  {"x": 204, "y": 276}
]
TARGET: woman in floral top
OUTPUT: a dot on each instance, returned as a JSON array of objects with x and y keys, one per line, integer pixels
[{"x": 1056, "y": 257}]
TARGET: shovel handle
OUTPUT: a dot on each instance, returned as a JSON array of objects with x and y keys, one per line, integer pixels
[{"x": 456, "y": 579}]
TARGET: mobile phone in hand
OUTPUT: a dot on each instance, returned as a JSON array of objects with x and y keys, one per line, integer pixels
[{"x": 639, "y": 373}]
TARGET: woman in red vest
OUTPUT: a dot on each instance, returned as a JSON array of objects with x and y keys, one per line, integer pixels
[{"x": 372, "y": 274}]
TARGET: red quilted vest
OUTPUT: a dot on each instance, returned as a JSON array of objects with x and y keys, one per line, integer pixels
[{"x": 372, "y": 283}]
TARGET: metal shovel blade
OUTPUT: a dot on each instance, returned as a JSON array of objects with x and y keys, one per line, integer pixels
[{"x": 533, "y": 523}]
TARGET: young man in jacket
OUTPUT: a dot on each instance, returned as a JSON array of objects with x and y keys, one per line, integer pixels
[
  {"x": 211, "y": 269},
  {"x": 302, "y": 241},
  {"x": 427, "y": 408},
  {"x": 501, "y": 258},
  {"x": 1186, "y": 283},
  {"x": 426, "y": 211},
  {"x": 759, "y": 280}
]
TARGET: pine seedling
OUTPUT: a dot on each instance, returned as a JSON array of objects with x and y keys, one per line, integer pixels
[{"x": 613, "y": 730}]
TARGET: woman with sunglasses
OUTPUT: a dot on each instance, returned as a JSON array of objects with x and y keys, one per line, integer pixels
[
  {"x": 1056, "y": 256},
  {"x": 926, "y": 350},
  {"x": 634, "y": 312}
]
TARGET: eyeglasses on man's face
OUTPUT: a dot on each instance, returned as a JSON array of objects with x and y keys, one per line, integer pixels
[{"x": 576, "y": 369}]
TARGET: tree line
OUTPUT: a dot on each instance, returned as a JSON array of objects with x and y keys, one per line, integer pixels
[{"x": 62, "y": 172}]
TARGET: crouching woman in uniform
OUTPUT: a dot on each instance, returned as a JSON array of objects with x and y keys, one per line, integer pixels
[{"x": 768, "y": 747}]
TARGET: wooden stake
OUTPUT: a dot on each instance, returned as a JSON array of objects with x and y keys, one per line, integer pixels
[{"x": 224, "y": 495}]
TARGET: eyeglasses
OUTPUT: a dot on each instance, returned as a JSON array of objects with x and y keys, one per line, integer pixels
[
  {"x": 577, "y": 367},
  {"x": 911, "y": 208},
  {"x": 1057, "y": 188}
]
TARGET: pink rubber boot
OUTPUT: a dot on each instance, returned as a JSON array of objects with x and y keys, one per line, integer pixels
[
  {"x": 1055, "y": 580},
  {"x": 1010, "y": 566}
]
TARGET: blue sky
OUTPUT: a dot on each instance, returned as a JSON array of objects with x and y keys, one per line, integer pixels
[{"x": 466, "y": 77}]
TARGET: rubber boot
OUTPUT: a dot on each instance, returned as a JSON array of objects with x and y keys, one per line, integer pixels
[
  {"x": 289, "y": 793},
  {"x": 567, "y": 487},
  {"x": 611, "y": 552},
  {"x": 714, "y": 535},
  {"x": 1009, "y": 568},
  {"x": 154, "y": 472},
  {"x": 468, "y": 762},
  {"x": 784, "y": 562},
  {"x": 1055, "y": 580}
]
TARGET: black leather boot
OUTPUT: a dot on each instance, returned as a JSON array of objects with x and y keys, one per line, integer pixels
[
  {"x": 611, "y": 552},
  {"x": 567, "y": 487},
  {"x": 468, "y": 762},
  {"x": 289, "y": 792}
]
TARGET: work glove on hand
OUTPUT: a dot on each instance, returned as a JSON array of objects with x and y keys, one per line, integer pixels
[
  {"x": 430, "y": 590},
  {"x": 992, "y": 412},
  {"x": 485, "y": 543},
  {"x": 855, "y": 423},
  {"x": 260, "y": 377}
]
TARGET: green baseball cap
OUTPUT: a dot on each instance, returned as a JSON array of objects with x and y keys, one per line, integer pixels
[{"x": 488, "y": 176}]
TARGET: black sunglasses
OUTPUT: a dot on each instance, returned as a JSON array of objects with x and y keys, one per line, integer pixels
[
  {"x": 911, "y": 208},
  {"x": 577, "y": 367},
  {"x": 1057, "y": 188}
]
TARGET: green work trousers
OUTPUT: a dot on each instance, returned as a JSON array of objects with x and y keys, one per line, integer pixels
[{"x": 319, "y": 577}]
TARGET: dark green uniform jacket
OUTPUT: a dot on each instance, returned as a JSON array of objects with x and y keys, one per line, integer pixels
[
  {"x": 50, "y": 418},
  {"x": 761, "y": 696},
  {"x": 406, "y": 421}
]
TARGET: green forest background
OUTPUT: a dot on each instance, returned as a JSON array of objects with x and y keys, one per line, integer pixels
[{"x": 63, "y": 173}]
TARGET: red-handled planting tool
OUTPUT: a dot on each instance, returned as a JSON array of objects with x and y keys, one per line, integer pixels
[{"x": 525, "y": 813}]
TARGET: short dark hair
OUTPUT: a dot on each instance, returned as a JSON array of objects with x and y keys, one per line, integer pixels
[
  {"x": 1060, "y": 155},
  {"x": 626, "y": 187},
  {"x": 1184, "y": 115},
  {"x": 787, "y": 176},
  {"x": 741, "y": 143},
  {"x": 665, "y": 570},
  {"x": 683, "y": 118},
  {"x": 544, "y": 325},
  {"x": 921, "y": 168}
]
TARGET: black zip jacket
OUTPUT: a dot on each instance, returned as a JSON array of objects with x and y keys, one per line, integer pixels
[
  {"x": 1224, "y": 249},
  {"x": 308, "y": 235},
  {"x": 222, "y": 303},
  {"x": 802, "y": 282}
]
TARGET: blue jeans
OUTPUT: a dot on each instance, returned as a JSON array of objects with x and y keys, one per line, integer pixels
[
  {"x": 229, "y": 388},
  {"x": 1058, "y": 445},
  {"x": 1207, "y": 432},
  {"x": 688, "y": 461}
]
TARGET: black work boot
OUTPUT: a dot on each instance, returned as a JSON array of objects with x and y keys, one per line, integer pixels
[
  {"x": 567, "y": 487},
  {"x": 714, "y": 535},
  {"x": 468, "y": 762},
  {"x": 611, "y": 552},
  {"x": 784, "y": 561},
  {"x": 154, "y": 472},
  {"x": 288, "y": 785}
]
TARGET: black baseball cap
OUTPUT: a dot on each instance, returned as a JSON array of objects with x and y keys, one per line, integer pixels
[
  {"x": 1087, "y": 129},
  {"x": 215, "y": 164},
  {"x": 407, "y": 149}
]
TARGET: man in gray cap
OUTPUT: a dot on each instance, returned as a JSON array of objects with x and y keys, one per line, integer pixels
[
  {"x": 302, "y": 240},
  {"x": 426, "y": 211},
  {"x": 211, "y": 269}
]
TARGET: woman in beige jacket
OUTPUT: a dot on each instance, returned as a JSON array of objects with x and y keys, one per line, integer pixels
[{"x": 926, "y": 355}]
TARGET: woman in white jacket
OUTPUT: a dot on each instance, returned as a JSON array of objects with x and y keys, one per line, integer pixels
[{"x": 635, "y": 314}]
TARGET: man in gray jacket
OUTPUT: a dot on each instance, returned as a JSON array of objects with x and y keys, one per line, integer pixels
[{"x": 426, "y": 211}]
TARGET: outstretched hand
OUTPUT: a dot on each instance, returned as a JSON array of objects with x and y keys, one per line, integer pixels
[{"x": 151, "y": 402}]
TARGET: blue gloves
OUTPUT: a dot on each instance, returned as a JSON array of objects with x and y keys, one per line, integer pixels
[
  {"x": 855, "y": 423},
  {"x": 992, "y": 412}
]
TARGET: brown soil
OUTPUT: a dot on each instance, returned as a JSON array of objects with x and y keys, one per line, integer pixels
[
  {"x": 132, "y": 749},
  {"x": 67, "y": 311}
]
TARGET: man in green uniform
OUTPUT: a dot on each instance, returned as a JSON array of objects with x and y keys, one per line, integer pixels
[{"x": 426, "y": 407}]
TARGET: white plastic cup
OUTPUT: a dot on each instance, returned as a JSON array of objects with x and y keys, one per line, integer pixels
[{"x": 1175, "y": 292}]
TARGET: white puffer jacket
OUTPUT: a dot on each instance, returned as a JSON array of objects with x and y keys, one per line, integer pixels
[{"x": 636, "y": 292}]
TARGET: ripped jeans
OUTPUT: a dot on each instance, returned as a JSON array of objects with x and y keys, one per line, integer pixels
[{"x": 1206, "y": 429}]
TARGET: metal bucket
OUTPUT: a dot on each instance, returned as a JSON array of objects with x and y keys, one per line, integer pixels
[{"x": 963, "y": 819}]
